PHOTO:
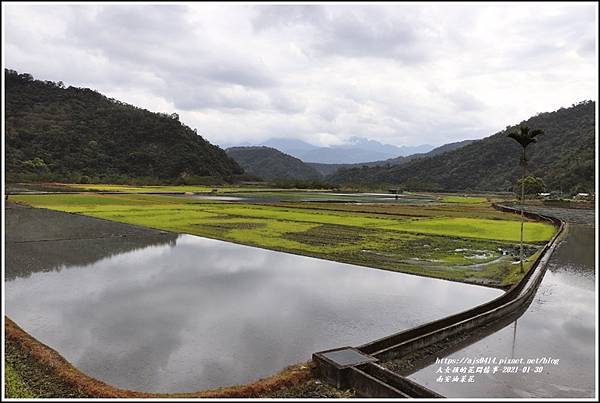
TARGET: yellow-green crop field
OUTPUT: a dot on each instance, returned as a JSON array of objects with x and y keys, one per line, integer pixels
[
  {"x": 166, "y": 188},
  {"x": 468, "y": 242},
  {"x": 464, "y": 199}
]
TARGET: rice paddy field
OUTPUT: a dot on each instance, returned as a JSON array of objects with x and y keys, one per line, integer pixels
[
  {"x": 161, "y": 189},
  {"x": 457, "y": 238}
]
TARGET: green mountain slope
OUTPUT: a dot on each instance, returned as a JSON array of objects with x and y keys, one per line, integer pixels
[
  {"x": 57, "y": 133},
  {"x": 269, "y": 163},
  {"x": 563, "y": 157}
]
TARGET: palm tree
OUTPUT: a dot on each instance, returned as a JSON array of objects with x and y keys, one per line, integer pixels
[{"x": 524, "y": 137}]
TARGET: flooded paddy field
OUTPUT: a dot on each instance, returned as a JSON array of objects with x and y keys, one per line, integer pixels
[
  {"x": 255, "y": 194},
  {"x": 313, "y": 196},
  {"x": 558, "y": 325},
  {"x": 465, "y": 242},
  {"x": 166, "y": 312}
]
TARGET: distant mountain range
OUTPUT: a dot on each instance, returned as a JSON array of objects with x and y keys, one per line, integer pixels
[
  {"x": 564, "y": 157},
  {"x": 329, "y": 169},
  {"x": 269, "y": 164},
  {"x": 53, "y": 133},
  {"x": 357, "y": 150}
]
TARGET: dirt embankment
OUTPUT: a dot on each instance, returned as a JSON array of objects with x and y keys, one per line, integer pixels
[{"x": 49, "y": 375}]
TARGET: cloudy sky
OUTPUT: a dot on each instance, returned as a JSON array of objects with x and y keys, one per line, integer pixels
[{"x": 403, "y": 74}]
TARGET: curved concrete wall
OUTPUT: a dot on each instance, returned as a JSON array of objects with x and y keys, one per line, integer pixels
[{"x": 435, "y": 331}]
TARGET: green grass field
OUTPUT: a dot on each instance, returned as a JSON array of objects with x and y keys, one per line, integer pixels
[
  {"x": 463, "y": 199},
  {"x": 448, "y": 241},
  {"x": 168, "y": 188},
  {"x": 138, "y": 189},
  {"x": 15, "y": 388}
]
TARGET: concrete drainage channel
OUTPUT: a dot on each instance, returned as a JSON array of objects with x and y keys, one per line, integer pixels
[
  {"x": 350, "y": 368},
  {"x": 357, "y": 368}
]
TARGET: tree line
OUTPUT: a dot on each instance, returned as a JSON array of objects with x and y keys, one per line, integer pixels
[{"x": 71, "y": 134}]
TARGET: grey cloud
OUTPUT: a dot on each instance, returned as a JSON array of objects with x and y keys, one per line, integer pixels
[
  {"x": 246, "y": 73},
  {"x": 588, "y": 48},
  {"x": 464, "y": 101},
  {"x": 274, "y": 16},
  {"x": 356, "y": 37},
  {"x": 402, "y": 74},
  {"x": 159, "y": 38},
  {"x": 209, "y": 96},
  {"x": 350, "y": 31},
  {"x": 139, "y": 24},
  {"x": 550, "y": 38},
  {"x": 282, "y": 102}
]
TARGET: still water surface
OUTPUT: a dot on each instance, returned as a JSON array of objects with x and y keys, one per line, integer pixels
[
  {"x": 198, "y": 313},
  {"x": 276, "y": 197}
]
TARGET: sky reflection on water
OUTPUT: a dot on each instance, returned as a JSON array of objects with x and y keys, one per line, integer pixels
[{"x": 199, "y": 313}]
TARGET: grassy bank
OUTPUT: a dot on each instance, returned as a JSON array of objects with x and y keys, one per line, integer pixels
[
  {"x": 468, "y": 242},
  {"x": 15, "y": 387},
  {"x": 34, "y": 370}
]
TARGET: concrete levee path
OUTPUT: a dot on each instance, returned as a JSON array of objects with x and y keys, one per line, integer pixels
[{"x": 559, "y": 324}]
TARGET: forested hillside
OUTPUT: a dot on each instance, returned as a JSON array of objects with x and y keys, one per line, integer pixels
[
  {"x": 563, "y": 157},
  {"x": 268, "y": 163},
  {"x": 77, "y": 134}
]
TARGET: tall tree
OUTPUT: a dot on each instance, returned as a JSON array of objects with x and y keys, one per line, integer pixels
[{"x": 524, "y": 137}]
